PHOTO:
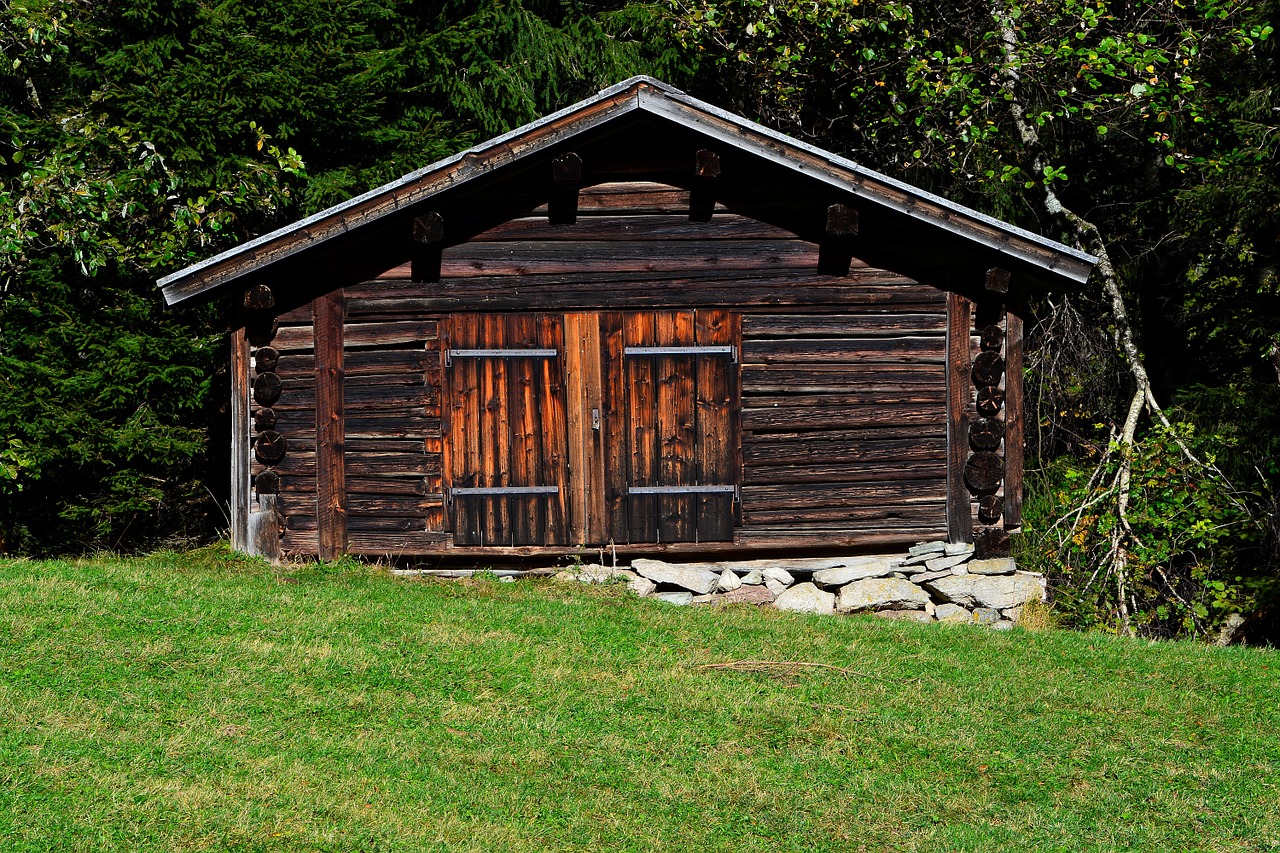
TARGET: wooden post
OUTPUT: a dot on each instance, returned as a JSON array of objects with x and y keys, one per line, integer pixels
[
  {"x": 959, "y": 512},
  {"x": 240, "y": 475},
  {"x": 331, "y": 487},
  {"x": 1014, "y": 419}
]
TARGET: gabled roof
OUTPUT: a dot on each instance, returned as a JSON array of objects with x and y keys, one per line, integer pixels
[{"x": 1058, "y": 262}]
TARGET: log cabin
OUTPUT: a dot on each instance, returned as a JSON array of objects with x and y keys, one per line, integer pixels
[{"x": 641, "y": 323}]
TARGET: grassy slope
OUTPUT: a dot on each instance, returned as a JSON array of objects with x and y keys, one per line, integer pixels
[{"x": 202, "y": 702}]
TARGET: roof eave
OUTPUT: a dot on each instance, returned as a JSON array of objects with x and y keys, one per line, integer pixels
[{"x": 414, "y": 187}]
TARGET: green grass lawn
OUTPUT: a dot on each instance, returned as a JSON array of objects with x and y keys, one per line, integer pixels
[{"x": 205, "y": 702}]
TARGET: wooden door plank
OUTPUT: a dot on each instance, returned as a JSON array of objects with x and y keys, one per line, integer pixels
[
  {"x": 614, "y": 426},
  {"x": 716, "y": 434},
  {"x": 675, "y": 428},
  {"x": 575, "y": 402},
  {"x": 527, "y": 514},
  {"x": 465, "y": 434},
  {"x": 555, "y": 454},
  {"x": 495, "y": 437},
  {"x": 593, "y": 428},
  {"x": 642, "y": 510},
  {"x": 959, "y": 394},
  {"x": 331, "y": 488}
]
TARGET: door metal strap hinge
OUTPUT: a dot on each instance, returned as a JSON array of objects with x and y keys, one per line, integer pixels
[
  {"x": 500, "y": 491},
  {"x": 686, "y": 490},
  {"x": 730, "y": 351},
  {"x": 451, "y": 354}
]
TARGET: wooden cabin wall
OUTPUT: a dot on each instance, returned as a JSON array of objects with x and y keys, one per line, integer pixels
[{"x": 843, "y": 378}]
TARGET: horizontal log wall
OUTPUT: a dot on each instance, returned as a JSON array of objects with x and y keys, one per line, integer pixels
[
  {"x": 843, "y": 376},
  {"x": 844, "y": 420}
]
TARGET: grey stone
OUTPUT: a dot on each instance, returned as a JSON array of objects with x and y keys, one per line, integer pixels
[
  {"x": 1012, "y": 613},
  {"x": 994, "y": 566},
  {"x": 899, "y": 575},
  {"x": 746, "y": 595},
  {"x": 806, "y": 598},
  {"x": 930, "y": 608},
  {"x": 939, "y": 563},
  {"x": 986, "y": 615},
  {"x": 782, "y": 576},
  {"x": 642, "y": 586},
  {"x": 952, "y": 613},
  {"x": 1002, "y": 625},
  {"x": 728, "y": 581},
  {"x": 679, "y": 598},
  {"x": 858, "y": 569},
  {"x": 701, "y": 581},
  {"x": 927, "y": 548},
  {"x": 998, "y": 591},
  {"x": 962, "y": 569},
  {"x": 507, "y": 579},
  {"x": 928, "y": 576},
  {"x": 755, "y": 577},
  {"x": 919, "y": 559},
  {"x": 956, "y": 548},
  {"x": 595, "y": 573},
  {"x": 877, "y": 593},
  {"x": 775, "y": 586},
  {"x": 905, "y": 615}
]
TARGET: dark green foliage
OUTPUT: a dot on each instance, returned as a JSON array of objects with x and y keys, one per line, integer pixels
[{"x": 140, "y": 136}]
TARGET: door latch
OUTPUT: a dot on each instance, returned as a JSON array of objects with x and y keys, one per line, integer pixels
[{"x": 595, "y": 419}]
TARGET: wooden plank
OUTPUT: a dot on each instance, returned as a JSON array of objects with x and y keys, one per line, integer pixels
[
  {"x": 630, "y": 197},
  {"x": 613, "y": 415},
  {"x": 821, "y": 417},
  {"x": 381, "y": 334},
  {"x": 495, "y": 436},
  {"x": 638, "y": 290},
  {"x": 932, "y": 513},
  {"x": 579, "y": 442},
  {"x": 1014, "y": 420},
  {"x": 921, "y": 348},
  {"x": 867, "y": 377},
  {"x": 876, "y": 493},
  {"x": 364, "y": 397},
  {"x": 959, "y": 330},
  {"x": 844, "y": 325},
  {"x": 785, "y": 538},
  {"x": 816, "y": 472},
  {"x": 722, "y": 226},
  {"x": 528, "y": 515},
  {"x": 675, "y": 426},
  {"x": 298, "y": 543},
  {"x": 840, "y": 448},
  {"x": 464, "y": 437},
  {"x": 389, "y": 486},
  {"x": 593, "y": 439},
  {"x": 361, "y": 363},
  {"x": 919, "y": 396},
  {"x": 642, "y": 510},
  {"x": 716, "y": 448},
  {"x": 393, "y": 506},
  {"x": 555, "y": 450},
  {"x": 396, "y": 543},
  {"x": 240, "y": 440},
  {"x": 555, "y": 258},
  {"x": 294, "y": 339},
  {"x": 331, "y": 510}
]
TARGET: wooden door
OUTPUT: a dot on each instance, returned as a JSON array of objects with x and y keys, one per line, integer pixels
[
  {"x": 592, "y": 428},
  {"x": 506, "y": 457},
  {"x": 671, "y": 466}
]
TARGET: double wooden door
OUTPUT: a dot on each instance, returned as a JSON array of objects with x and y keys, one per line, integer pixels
[{"x": 592, "y": 428}]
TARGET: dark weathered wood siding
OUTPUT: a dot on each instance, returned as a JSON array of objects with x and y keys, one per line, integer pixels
[{"x": 833, "y": 421}]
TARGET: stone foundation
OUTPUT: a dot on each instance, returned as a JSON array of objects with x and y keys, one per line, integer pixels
[{"x": 932, "y": 582}]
